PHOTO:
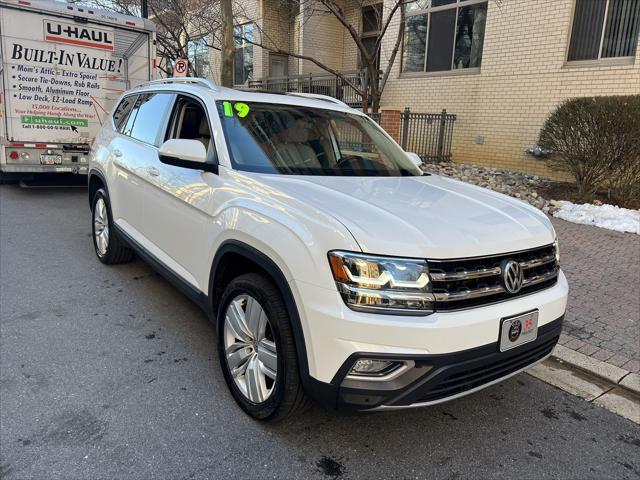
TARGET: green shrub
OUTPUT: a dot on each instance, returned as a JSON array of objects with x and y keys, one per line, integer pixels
[{"x": 597, "y": 140}]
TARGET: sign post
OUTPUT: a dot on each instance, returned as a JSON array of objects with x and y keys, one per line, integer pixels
[{"x": 181, "y": 67}]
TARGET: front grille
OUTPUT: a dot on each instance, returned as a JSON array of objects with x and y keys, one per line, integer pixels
[
  {"x": 466, "y": 380},
  {"x": 470, "y": 282}
]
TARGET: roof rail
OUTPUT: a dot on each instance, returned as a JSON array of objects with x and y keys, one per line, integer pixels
[
  {"x": 317, "y": 96},
  {"x": 203, "y": 82}
]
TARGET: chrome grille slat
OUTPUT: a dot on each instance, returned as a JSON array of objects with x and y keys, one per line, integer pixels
[
  {"x": 465, "y": 275},
  {"x": 539, "y": 278},
  {"x": 449, "y": 297},
  {"x": 470, "y": 282},
  {"x": 487, "y": 272},
  {"x": 538, "y": 262}
]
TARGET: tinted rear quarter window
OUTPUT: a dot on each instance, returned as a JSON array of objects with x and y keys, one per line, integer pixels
[
  {"x": 122, "y": 112},
  {"x": 148, "y": 117}
]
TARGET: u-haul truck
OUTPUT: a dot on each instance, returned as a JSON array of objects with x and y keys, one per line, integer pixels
[{"x": 62, "y": 68}]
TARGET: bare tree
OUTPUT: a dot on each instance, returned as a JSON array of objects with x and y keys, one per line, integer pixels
[
  {"x": 374, "y": 70},
  {"x": 228, "y": 50},
  {"x": 178, "y": 24}
]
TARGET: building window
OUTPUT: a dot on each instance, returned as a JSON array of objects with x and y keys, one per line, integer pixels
[
  {"x": 443, "y": 35},
  {"x": 371, "y": 26},
  {"x": 198, "y": 50},
  {"x": 243, "y": 59},
  {"x": 604, "y": 29},
  {"x": 278, "y": 65}
]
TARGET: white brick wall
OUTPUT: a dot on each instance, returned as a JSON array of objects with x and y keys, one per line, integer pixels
[{"x": 522, "y": 78}]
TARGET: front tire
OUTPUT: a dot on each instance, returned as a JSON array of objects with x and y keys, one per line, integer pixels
[
  {"x": 257, "y": 350},
  {"x": 109, "y": 247}
]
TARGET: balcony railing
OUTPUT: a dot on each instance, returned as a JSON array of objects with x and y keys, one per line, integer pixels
[{"x": 322, "y": 84}]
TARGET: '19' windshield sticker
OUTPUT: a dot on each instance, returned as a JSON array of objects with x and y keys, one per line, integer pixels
[{"x": 242, "y": 109}]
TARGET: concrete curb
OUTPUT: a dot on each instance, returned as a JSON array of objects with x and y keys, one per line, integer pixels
[
  {"x": 607, "y": 386},
  {"x": 602, "y": 370}
]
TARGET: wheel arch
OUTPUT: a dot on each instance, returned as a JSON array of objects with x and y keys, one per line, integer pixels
[
  {"x": 96, "y": 181},
  {"x": 244, "y": 258}
]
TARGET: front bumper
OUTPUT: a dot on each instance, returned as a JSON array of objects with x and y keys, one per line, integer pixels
[
  {"x": 453, "y": 341},
  {"x": 436, "y": 378}
]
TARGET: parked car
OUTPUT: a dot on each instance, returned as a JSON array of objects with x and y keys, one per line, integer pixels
[{"x": 331, "y": 265}]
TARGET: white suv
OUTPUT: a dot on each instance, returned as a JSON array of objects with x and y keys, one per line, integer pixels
[{"x": 331, "y": 265}]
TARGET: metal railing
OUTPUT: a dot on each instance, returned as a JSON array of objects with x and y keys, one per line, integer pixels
[
  {"x": 374, "y": 116},
  {"x": 430, "y": 135},
  {"x": 322, "y": 84}
]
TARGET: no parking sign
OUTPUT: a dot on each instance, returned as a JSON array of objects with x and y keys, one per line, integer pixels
[{"x": 181, "y": 67}]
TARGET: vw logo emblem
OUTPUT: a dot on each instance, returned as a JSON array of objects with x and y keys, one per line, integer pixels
[
  {"x": 515, "y": 330},
  {"x": 512, "y": 276}
]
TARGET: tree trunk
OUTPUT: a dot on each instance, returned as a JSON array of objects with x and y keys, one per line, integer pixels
[{"x": 228, "y": 50}]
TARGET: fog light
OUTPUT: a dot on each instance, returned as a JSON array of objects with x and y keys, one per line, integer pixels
[{"x": 374, "y": 368}]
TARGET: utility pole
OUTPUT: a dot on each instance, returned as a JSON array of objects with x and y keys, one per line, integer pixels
[
  {"x": 228, "y": 50},
  {"x": 145, "y": 9}
]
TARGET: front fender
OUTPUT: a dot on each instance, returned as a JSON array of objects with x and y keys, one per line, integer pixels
[{"x": 295, "y": 241}]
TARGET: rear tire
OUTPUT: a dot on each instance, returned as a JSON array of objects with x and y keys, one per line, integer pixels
[
  {"x": 110, "y": 248},
  {"x": 253, "y": 327}
]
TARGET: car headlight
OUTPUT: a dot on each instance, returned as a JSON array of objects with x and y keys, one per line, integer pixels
[{"x": 378, "y": 284}]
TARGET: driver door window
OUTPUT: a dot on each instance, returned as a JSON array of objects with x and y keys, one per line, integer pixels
[{"x": 190, "y": 122}]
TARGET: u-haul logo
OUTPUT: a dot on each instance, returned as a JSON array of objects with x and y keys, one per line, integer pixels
[{"x": 79, "y": 35}]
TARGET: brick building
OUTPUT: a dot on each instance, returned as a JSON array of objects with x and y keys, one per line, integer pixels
[{"x": 500, "y": 66}]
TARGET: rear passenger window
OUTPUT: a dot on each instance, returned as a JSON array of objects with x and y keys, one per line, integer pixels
[
  {"x": 121, "y": 113},
  {"x": 148, "y": 117}
]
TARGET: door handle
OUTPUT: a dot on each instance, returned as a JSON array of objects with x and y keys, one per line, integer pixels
[
  {"x": 117, "y": 153},
  {"x": 153, "y": 171}
]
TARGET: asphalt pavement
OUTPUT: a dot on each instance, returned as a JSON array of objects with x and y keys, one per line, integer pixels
[{"x": 110, "y": 372}]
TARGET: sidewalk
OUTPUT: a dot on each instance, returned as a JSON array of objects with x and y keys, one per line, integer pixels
[{"x": 603, "y": 314}]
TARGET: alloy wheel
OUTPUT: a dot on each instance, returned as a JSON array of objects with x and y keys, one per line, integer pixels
[
  {"x": 250, "y": 349},
  {"x": 101, "y": 226}
]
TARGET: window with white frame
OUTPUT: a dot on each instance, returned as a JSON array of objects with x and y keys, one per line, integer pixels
[
  {"x": 243, "y": 59},
  {"x": 198, "y": 50},
  {"x": 443, "y": 35},
  {"x": 604, "y": 29}
]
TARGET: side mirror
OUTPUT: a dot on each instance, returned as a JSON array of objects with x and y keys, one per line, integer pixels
[
  {"x": 415, "y": 158},
  {"x": 185, "y": 153}
]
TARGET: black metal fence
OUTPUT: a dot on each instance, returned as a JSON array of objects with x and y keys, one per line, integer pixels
[
  {"x": 374, "y": 116},
  {"x": 430, "y": 135},
  {"x": 322, "y": 84}
]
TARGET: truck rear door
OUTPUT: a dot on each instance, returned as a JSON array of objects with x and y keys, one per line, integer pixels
[{"x": 62, "y": 75}]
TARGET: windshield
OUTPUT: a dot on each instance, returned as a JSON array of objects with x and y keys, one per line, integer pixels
[{"x": 294, "y": 140}]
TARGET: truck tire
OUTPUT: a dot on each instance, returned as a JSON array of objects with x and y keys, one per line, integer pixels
[
  {"x": 109, "y": 246},
  {"x": 257, "y": 349}
]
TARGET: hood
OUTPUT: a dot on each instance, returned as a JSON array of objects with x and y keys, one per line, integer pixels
[{"x": 426, "y": 217}]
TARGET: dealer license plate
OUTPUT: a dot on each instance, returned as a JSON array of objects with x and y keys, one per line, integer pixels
[
  {"x": 518, "y": 330},
  {"x": 50, "y": 159}
]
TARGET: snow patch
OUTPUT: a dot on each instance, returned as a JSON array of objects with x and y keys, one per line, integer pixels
[{"x": 604, "y": 216}]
